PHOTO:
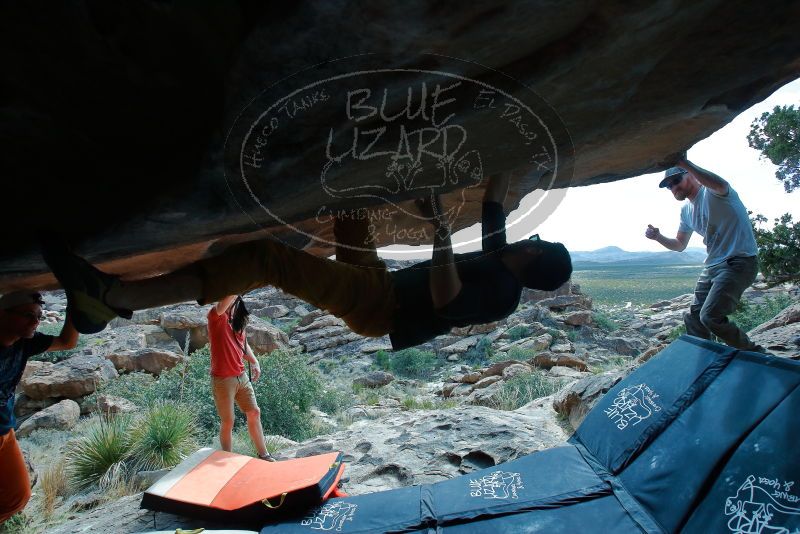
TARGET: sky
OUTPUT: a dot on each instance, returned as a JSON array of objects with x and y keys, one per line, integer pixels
[{"x": 618, "y": 213}]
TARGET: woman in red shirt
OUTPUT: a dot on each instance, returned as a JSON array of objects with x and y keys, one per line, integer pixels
[{"x": 229, "y": 381}]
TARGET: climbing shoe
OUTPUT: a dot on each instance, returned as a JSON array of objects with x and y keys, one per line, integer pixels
[
  {"x": 267, "y": 457},
  {"x": 86, "y": 287}
]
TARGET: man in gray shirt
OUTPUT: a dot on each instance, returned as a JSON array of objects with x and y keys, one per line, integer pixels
[{"x": 715, "y": 212}]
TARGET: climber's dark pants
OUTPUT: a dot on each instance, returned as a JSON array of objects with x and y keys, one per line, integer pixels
[{"x": 356, "y": 288}]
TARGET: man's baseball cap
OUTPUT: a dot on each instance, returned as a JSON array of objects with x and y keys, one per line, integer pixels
[
  {"x": 672, "y": 176},
  {"x": 19, "y": 298}
]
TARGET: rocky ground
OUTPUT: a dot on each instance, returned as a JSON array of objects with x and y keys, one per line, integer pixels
[{"x": 410, "y": 432}]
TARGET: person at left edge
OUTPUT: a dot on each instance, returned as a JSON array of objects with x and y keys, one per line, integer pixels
[{"x": 20, "y": 313}]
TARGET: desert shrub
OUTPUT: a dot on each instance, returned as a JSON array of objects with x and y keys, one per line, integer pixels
[
  {"x": 604, "y": 322},
  {"x": 482, "y": 352},
  {"x": 612, "y": 364},
  {"x": 518, "y": 332},
  {"x": 188, "y": 384},
  {"x": 135, "y": 387},
  {"x": 572, "y": 335},
  {"x": 333, "y": 401},
  {"x": 289, "y": 326},
  {"x": 749, "y": 315},
  {"x": 382, "y": 360},
  {"x": 524, "y": 388},
  {"x": 285, "y": 393},
  {"x": 162, "y": 437},
  {"x": 326, "y": 366},
  {"x": 287, "y": 390},
  {"x": 99, "y": 455},
  {"x": 414, "y": 363},
  {"x": 413, "y": 403},
  {"x": 675, "y": 333},
  {"x": 16, "y": 524},
  {"x": 518, "y": 353}
]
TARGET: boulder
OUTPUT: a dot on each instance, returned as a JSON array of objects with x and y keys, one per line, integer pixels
[
  {"x": 562, "y": 347},
  {"x": 369, "y": 348},
  {"x": 456, "y": 389},
  {"x": 328, "y": 337},
  {"x": 626, "y": 346},
  {"x": 25, "y": 406},
  {"x": 276, "y": 311},
  {"x": 564, "y": 302},
  {"x": 789, "y": 315},
  {"x": 462, "y": 345},
  {"x": 540, "y": 342},
  {"x": 32, "y": 367},
  {"x": 516, "y": 369},
  {"x": 109, "y": 404},
  {"x": 485, "y": 396},
  {"x": 565, "y": 372},
  {"x": 470, "y": 378},
  {"x": 71, "y": 378},
  {"x": 263, "y": 338},
  {"x": 310, "y": 317},
  {"x": 153, "y": 361},
  {"x": 547, "y": 360},
  {"x": 488, "y": 381},
  {"x": 496, "y": 369},
  {"x": 575, "y": 400},
  {"x": 475, "y": 329},
  {"x": 374, "y": 379},
  {"x": 60, "y": 416},
  {"x": 578, "y": 318}
]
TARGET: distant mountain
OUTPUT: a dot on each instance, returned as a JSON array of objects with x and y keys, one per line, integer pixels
[{"x": 606, "y": 255}]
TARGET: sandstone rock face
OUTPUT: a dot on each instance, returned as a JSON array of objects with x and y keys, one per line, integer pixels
[
  {"x": 623, "y": 79},
  {"x": 153, "y": 361},
  {"x": 578, "y": 398},
  {"x": 276, "y": 311},
  {"x": 580, "y": 318},
  {"x": 421, "y": 447},
  {"x": 60, "y": 416},
  {"x": 109, "y": 404},
  {"x": 375, "y": 379},
  {"x": 548, "y": 360},
  {"x": 32, "y": 367},
  {"x": 264, "y": 338},
  {"x": 72, "y": 378},
  {"x": 781, "y": 335},
  {"x": 25, "y": 406}
]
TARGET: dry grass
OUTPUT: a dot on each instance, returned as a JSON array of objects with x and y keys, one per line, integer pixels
[{"x": 54, "y": 484}]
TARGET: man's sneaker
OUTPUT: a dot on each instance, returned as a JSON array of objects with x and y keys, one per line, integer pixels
[
  {"x": 86, "y": 288},
  {"x": 267, "y": 457}
]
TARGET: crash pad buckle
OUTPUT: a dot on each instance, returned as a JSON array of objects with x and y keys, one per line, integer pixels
[{"x": 266, "y": 502}]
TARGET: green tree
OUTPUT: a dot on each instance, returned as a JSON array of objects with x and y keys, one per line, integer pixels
[
  {"x": 778, "y": 249},
  {"x": 776, "y": 135}
]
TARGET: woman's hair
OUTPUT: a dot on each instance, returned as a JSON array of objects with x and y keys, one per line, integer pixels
[{"x": 239, "y": 315}]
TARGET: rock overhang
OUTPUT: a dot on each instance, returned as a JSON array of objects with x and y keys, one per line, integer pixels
[{"x": 117, "y": 117}]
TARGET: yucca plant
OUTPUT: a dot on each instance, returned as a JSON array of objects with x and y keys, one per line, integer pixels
[
  {"x": 98, "y": 457},
  {"x": 162, "y": 437}
]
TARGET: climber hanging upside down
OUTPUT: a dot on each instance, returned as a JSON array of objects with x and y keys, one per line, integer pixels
[{"x": 411, "y": 305}]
